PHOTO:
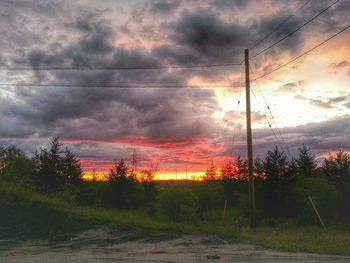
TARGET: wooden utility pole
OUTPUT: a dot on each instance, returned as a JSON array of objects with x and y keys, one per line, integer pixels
[{"x": 249, "y": 143}]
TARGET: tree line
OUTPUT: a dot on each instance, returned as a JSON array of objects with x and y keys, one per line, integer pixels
[
  {"x": 277, "y": 176},
  {"x": 282, "y": 185}
]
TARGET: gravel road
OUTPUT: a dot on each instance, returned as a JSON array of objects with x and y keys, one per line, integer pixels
[{"x": 105, "y": 245}]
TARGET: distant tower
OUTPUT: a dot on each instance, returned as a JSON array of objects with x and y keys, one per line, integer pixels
[{"x": 134, "y": 160}]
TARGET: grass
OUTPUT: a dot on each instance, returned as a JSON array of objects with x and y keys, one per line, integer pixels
[
  {"x": 27, "y": 214},
  {"x": 305, "y": 239}
]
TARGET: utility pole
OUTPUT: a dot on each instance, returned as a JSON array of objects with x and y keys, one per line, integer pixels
[{"x": 249, "y": 143}]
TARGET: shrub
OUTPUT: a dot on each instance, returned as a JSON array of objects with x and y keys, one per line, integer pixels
[
  {"x": 209, "y": 194},
  {"x": 323, "y": 194},
  {"x": 15, "y": 166},
  {"x": 178, "y": 204},
  {"x": 336, "y": 169}
]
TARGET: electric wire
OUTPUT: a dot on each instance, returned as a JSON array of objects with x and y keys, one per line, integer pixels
[
  {"x": 234, "y": 129},
  {"x": 119, "y": 86},
  {"x": 294, "y": 31},
  {"x": 268, "y": 121},
  {"x": 303, "y": 54},
  {"x": 169, "y": 67},
  {"x": 272, "y": 116}
]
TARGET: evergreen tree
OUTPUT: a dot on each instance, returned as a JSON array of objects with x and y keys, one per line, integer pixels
[
  {"x": 123, "y": 185},
  {"x": 241, "y": 168},
  {"x": 150, "y": 188},
  {"x": 336, "y": 168},
  {"x": 56, "y": 168},
  {"x": 278, "y": 178},
  {"x": 306, "y": 163},
  {"x": 227, "y": 171},
  {"x": 211, "y": 172},
  {"x": 71, "y": 168},
  {"x": 119, "y": 170},
  {"x": 276, "y": 166},
  {"x": 259, "y": 168}
]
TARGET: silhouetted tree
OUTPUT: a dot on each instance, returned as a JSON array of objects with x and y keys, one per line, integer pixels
[
  {"x": 211, "y": 172},
  {"x": 119, "y": 170},
  {"x": 56, "y": 168},
  {"x": 259, "y": 170},
  {"x": 336, "y": 168},
  {"x": 278, "y": 178},
  {"x": 123, "y": 185},
  {"x": 241, "y": 168},
  {"x": 305, "y": 163},
  {"x": 146, "y": 178},
  {"x": 227, "y": 171},
  {"x": 93, "y": 175}
]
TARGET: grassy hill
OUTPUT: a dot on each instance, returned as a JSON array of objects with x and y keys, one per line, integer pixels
[{"x": 25, "y": 214}]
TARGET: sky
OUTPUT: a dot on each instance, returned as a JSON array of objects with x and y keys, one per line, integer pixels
[{"x": 181, "y": 129}]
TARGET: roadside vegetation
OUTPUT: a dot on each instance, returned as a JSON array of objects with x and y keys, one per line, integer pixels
[{"x": 45, "y": 196}]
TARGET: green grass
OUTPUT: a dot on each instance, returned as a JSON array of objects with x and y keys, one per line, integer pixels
[
  {"x": 305, "y": 239},
  {"x": 27, "y": 214}
]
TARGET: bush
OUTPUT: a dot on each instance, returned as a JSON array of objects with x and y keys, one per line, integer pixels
[
  {"x": 178, "y": 204},
  {"x": 235, "y": 191},
  {"x": 16, "y": 167},
  {"x": 323, "y": 194},
  {"x": 209, "y": 195}
]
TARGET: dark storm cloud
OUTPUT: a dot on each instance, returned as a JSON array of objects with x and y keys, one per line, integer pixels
[
  {"x": 205, "y": 36},
  {"x": 209, "y": 37},
  {"x": 106, "y": 113},
  {"x": 266, "y": 25},
  {"x": 164, "y": 6},
  {"x": 335, "y": 19}
]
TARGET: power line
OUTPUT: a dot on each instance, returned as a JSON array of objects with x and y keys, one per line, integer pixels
[
  {"x": 268, "y": 122},
  {"x": 120, "y": 86},
  {"x": 257, "y": 43},
  {"x": 303, "y": 54},
  {"x": 234, "y": 129},
  {"x": 272, "y": 117},
  {"x": 294, "y": 31},
  {"x": 170, "y": 67}
]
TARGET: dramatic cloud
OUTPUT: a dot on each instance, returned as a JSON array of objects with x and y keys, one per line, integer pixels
[
  {"x": 209, "y": 37},
  {"x": 169, "y": 124}
]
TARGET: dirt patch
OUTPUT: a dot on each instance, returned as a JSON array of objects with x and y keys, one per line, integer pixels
[{"x": 105, "y": 245}]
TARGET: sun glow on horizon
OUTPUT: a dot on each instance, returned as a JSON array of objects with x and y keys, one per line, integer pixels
[{"x": 158, "y": 176}]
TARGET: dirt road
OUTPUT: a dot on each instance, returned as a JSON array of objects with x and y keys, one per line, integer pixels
[{"x": 104, "y": 245}]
